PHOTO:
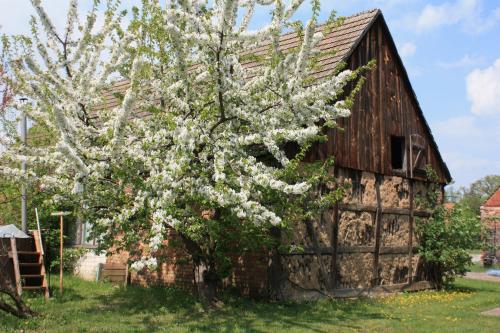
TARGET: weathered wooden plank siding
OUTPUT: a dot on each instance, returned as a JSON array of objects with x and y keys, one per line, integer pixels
[{"x": 384, "y": 107}]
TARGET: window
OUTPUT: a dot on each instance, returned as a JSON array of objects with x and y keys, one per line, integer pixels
[
  {"x": 398, "y": 149},
  {"x": 86, "y": 239}
]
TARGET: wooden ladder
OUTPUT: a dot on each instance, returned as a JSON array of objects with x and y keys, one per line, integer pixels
[{"x": 29, "y": 268}]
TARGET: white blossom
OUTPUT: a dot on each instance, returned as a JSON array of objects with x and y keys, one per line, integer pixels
[{"x": 205, "y": 111}]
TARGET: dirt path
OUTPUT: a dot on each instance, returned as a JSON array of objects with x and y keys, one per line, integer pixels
[
  {"x": 476, "y": 258},
  {"x": 482, "y": 276}
]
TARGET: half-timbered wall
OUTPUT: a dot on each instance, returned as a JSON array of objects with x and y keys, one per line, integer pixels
[{"x": 366, "y": 241}]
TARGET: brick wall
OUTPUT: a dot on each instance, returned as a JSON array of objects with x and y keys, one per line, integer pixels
[
  {"x": 175, "y": 268},
  {"x": 250, "y": 274},
  {"x": 491, "y": 217}
]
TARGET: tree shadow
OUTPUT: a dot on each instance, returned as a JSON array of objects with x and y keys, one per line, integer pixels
[
  {"x": 483, "y": 286},
  {"x": 236, "y": 313}
]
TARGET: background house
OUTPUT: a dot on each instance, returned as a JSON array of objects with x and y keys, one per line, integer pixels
[{"x": 490, "y": 215}]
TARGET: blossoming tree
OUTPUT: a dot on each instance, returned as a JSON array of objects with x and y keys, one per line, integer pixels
[{"x": 208, "y": 161}]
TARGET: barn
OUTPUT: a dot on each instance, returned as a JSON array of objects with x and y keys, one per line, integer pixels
[{"x": 366, "y": 243}]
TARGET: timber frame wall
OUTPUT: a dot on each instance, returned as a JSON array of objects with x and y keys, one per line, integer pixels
[{"x": 364, "y": 244}]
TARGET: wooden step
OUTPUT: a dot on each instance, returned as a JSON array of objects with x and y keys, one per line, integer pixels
[
  {"x": 30, "y": 264},
  {"x": 25, "y": 253},
  {"x": 28, "y": 252},
  {"x": 33, "y": 287},
  {"x": 31, "y": 276}
]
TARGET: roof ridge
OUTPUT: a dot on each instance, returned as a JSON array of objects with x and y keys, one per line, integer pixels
[
  {"x": 321, "y": 25},
  {"x": 376, "y": 11},
  {"x": 368, "y": 11}
]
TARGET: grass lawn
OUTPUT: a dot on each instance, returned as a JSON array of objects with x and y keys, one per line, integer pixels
[{"x": 91, "y": 307}]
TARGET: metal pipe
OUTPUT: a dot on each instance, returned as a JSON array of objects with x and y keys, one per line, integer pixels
[{"x": 24, "y": 134}]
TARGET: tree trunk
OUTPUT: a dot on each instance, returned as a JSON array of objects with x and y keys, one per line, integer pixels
[
  {"x": 8, "y": 287},
  {"x": 434, "y": 274},
  {"x": 275, "y": 270},
  {"x": 205, "y": 274},
  {"x": 21, "y": 310},
  {"x": 206, "y": 280}
]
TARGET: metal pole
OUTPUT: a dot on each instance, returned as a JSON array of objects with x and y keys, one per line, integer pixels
[
  {"x": 24, "y": 134},
  {"x": 61, "y": 225}
]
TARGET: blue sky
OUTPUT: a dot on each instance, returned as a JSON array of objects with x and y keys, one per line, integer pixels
[{"x": 451, "y": 50}]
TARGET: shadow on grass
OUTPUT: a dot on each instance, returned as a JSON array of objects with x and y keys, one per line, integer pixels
[
  {"x": 101, "y": 306},
  {"x": 236, "y": 313},
  {"x": 473, "y": 286},
  {"x": 135, "y": 299}
]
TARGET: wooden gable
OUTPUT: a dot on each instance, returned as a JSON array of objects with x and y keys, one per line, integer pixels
[{"x": 386, "y": 132}]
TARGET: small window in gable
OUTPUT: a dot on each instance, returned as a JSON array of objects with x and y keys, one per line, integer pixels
[{"x": 398, "y": 149}]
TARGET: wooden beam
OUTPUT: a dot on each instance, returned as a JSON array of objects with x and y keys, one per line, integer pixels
[
  {"x": 378, "y": 230},
  {"x": 311, "y": 251},
  {"x": 15, "y": 260},
  {"x": 61, "y": 246},
  {"x": 388, "y": 210},
  {"x": 410, "y": 236},
  {"x": 334, "y": 243}
]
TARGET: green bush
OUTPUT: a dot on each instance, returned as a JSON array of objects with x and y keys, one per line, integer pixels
[
  {"x": 445, "y": 241},
  {"x": 446, "y": 238},
  {"x": 70, "y": 258}
]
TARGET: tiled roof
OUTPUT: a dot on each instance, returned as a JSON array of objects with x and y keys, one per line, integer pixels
[
  {"x": 494, "y": 200},
  {"x": 342, "y": 39}
]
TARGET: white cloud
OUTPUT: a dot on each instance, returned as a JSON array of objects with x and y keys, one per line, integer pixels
[
  {"x": 466, "y": 61},
  {"x": 456, "y": 127},
  {"x": 408, "y": 49},
  {"x": 470, "y": 146},
  {"x": 483, "y": 89},
  {"x": 466, "y": 12}
]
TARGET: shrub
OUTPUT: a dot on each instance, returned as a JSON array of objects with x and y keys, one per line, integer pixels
[
  {"x": 445, "y": 240},
  {"x": 70, "y": 258},
  {"x": 446, "y": 237}
]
